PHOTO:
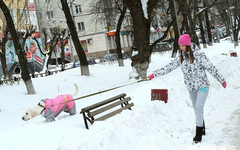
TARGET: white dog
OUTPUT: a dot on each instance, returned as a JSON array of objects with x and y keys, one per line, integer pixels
[{"x": 51, "y": 108}]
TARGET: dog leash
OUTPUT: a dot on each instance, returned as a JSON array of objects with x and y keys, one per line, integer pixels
[{"x": 78, "y": 98}]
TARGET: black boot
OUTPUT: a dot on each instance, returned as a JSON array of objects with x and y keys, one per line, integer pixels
[
  {"x": 198, "y": 137},
  {"x": 204, "y": 130}
]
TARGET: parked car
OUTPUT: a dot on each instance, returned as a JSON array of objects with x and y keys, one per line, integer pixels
[
  {"x": 99, "y": 60},
  {"x": 90, "y": 61},
  {"x": 110, "y": 57},
  {"x": 76, "y": 64},
  {"x": 222, "y": 31},
  {"x": 162, "y": 46}
]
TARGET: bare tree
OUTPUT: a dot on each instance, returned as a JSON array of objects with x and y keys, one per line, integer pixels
[
  {"x": 163, "y": 37},
  {"x": 222, "y": 8},
  {"x": 118, "y": 41},
  {"x": 80, "y": 52},
  {"x": 50, "y": 45},
  {"x": 230, "y": 16},
  {"x": 168, "y": 18},
  {"x": 20, "y": 52},
  {"x": 110, "y": 9}
]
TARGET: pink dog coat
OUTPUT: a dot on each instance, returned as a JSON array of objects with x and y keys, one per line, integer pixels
[{"x": 56, "y": 105}]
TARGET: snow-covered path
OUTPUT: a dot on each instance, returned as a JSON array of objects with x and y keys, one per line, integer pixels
[{"x": 236, "y": 138}]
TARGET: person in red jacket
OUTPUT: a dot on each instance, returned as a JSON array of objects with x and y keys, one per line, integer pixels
[{"x": 194, "y": 65}]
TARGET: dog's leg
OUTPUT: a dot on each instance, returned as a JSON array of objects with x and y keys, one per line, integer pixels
[
  {"x": 73, "y": 110},
  {"x": 65, "y": 110},
  {"x": 50, "y": 118}
]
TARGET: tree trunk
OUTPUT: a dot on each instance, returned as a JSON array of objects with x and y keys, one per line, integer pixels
[
  {"x": 20, "y": 52},
  {"x": 185, "y": 27},
  {"x": 175, "y": 28},
  {"x": 80, "y": 52},
  {"x": 62, "y": 55},
  {"x": 52, "y": 46},
  {"x": 4, "y": 64},
  {"x": 49, "y": 58},
  {"x": 183, "y": 5},
  {"x": 202, "y": 31},
  {"x": 236, "y": 28},
  {"x": 141, "y": 48},
  {"x": 3, "y": 56},
  {"x": 205, "y": 3},
  {"x": 62, "y": 58},
  {"x": 195, "y": 37},
  {"x": 118, "y": 40},
  {"x": 235, "y": 36},
  {"x": 192, "y": 18}
]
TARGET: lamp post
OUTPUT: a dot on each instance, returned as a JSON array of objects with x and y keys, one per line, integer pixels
[{"x": 230, "y": 21}]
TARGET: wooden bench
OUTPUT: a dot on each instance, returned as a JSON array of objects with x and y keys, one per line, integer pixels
[{"x": 90, "y": 113}]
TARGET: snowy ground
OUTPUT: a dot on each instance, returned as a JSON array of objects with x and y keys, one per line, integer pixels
[{"x": 150, "y": 125}]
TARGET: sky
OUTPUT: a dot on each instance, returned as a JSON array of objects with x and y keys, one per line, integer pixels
[{"x": 149, "y": 125}]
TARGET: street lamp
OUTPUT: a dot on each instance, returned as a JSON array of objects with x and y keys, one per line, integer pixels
[{"x": 229, "y": 9}]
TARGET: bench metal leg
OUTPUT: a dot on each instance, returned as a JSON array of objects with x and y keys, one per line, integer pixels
[
  {"x": 120, "y": 100},
  {"x": 126, "y": 103},
  {"x": 85, "y": 120}
]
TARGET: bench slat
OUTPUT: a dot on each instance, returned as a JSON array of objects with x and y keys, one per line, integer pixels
[
  {"x": 98, "y": 111},
  {"x": 103, "y": 102},
  {"x": 114, "y": 112}
]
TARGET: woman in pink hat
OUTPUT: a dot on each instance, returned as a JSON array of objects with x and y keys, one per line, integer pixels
[{"x": 194, "y": 65}]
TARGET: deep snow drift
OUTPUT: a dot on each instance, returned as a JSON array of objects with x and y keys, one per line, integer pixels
[{"x": 151, "y": 125}]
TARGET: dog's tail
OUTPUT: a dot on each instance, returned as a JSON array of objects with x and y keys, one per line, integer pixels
[{"x": 76, "y": 92}]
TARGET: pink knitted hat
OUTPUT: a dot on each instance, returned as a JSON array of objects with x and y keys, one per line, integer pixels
[{"x": 184, "y": 40}]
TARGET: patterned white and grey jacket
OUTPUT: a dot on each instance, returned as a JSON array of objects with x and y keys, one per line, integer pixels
[{"x": 195, "y": 76}]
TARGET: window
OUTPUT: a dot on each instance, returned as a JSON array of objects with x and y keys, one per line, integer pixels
[
  {"x": 13, "y": 15},
  {"x": 81, "y": 26},
  {"x": 47, "y": 1},
  {"x": 49, "y": 15},
  {"x": 25, "y": 17},
  {"x": 78, "y": 9}
]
